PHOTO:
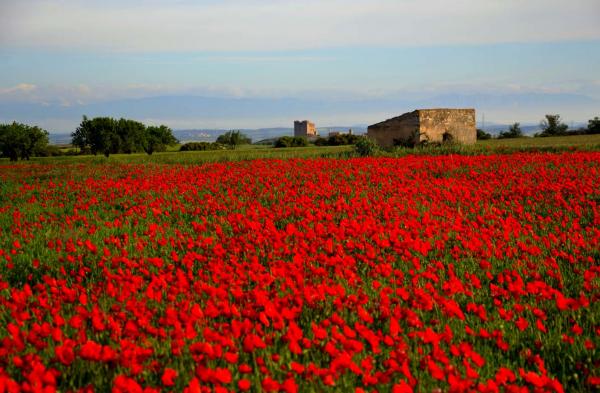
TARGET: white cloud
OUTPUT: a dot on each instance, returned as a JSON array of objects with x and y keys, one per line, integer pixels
[
  {"x": 290, "y": 24},
  {"x": 18, "y": 89}
]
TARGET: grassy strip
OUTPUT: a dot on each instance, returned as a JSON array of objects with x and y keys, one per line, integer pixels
[{"x": 251, "y": 152}]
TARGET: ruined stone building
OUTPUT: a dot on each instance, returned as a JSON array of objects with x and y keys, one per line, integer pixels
[
  {"x": 426, "y": 125},
  {"x": 304, "y": 129},
  {"x": 335, "y": 133}
]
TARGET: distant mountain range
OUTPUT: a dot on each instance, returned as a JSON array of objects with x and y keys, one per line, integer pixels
[
  {"x": 210, "y": 135},
  {"x": 203, "y": 118}
]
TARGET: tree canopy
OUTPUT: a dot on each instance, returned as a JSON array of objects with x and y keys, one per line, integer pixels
[
  {"x": 553, "y": 126},
  {"x": 514, "y": 131},
  {"x": 110, "y": 136},
  {"x": 158, "y": 138},
  {"x": 21, "y": 141},
  {"x": 594, "y": 126},
  {"x": 234, "y": 138}
]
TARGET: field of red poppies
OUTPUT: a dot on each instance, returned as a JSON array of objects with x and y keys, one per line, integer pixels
[{"x": 430, "y": 274}]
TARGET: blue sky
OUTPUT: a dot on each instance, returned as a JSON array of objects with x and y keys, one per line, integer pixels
[{"x": 69, "y": 53}]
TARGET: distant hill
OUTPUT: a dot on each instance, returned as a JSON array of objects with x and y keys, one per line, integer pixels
[
  {"x": 528, "y": 129},
  {"x": 210, "y": 135}
]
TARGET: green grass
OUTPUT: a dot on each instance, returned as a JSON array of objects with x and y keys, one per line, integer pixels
[
  {"x": 507, "y": 146},
  {"x": 195, "y": 157},
  {"x": 578, "y": 141},
  {"x": 251, "y": 152}
]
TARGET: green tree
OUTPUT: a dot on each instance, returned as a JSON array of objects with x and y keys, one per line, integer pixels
[
  {"x": 514, "y": 131},
  {"x": 82, "y": 136},
  {"x": 109, "y": 136},
  {"x": 594, "y": 126},
  {"x": 132, "y": 136},
  {"x": 105, "y": 136},
  {"x": 552, "y": 126},
  {"x": 99, "y": 134},
  {"x": 22, "y": 141},
  {"x": 234, "y": 138},
  {"x": 158, "y": 138}
]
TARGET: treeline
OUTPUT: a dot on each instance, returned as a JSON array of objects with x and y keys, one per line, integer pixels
[
  {"x": 338, "y": 140},
  {"x": 230, "y": 140},
  {"x": 332, "y": 140},
  {"x": 106, "y": 135},
  {"x": 552, "y": 125}
]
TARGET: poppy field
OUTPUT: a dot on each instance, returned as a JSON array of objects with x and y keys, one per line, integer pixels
[{"x": 422, "y": 273}]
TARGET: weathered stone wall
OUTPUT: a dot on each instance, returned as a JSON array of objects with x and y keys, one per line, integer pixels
[
  {"x": 403, "y": 128},
  {"x": 431, "y": 125},
  {"x": 458, "y": 125}
]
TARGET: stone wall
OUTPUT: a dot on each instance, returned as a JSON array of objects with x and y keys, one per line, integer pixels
[
  {"x": 458, "y": 125},
  {"x": 426, "y": 125},
  {"x": 401, "y": 129}
]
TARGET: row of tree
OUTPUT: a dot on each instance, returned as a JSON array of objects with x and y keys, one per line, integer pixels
[
  {"x": 552, "y": 125},
  {"x": 107, "y": 136}
]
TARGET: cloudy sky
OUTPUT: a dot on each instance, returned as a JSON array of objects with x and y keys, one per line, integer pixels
[{"x": 501, "y": 56}]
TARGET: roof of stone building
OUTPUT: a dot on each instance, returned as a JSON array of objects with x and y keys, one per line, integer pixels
[
  {"x": 401, "y": 117},
  {"x": 410, "y": 114}
]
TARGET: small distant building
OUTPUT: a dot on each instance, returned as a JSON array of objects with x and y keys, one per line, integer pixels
[
  {"x": 305, "y": 129},
  {"x": 426, "y": 125},
  {"x": 335, "y": 133}
]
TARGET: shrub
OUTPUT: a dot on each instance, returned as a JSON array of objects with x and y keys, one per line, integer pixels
[
  {"x": 514, "y": 131},
  {"x": 482, "y": 135},
  {"x": 338, "y": 140},
  {"x": 288, "y": 141},
  {"x": 201, "y": 146},
  {"x": 365, "y": 146}
]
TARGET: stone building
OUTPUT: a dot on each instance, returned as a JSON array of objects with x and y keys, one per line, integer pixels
[
  {"x": 304, "y": 129},
  {"x": 426, "y": 126},
  {"x": 336, "y": 133}
]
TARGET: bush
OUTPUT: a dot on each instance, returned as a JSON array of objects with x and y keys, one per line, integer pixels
[
  {"x": 51, "y": 151},
  {"x": 416, "y": 139},
  {"x": 482, "y": 135},
  {"x": 338, "y": 140},
  {"x": 514, "y": 131},
  {"x": 288, "y": 141},
  {"x": 365, "y": 146},
  {"x": 201, "y": 146}
]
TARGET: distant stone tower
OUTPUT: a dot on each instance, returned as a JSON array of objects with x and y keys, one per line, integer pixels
[{"x": 304, "y": 129}]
